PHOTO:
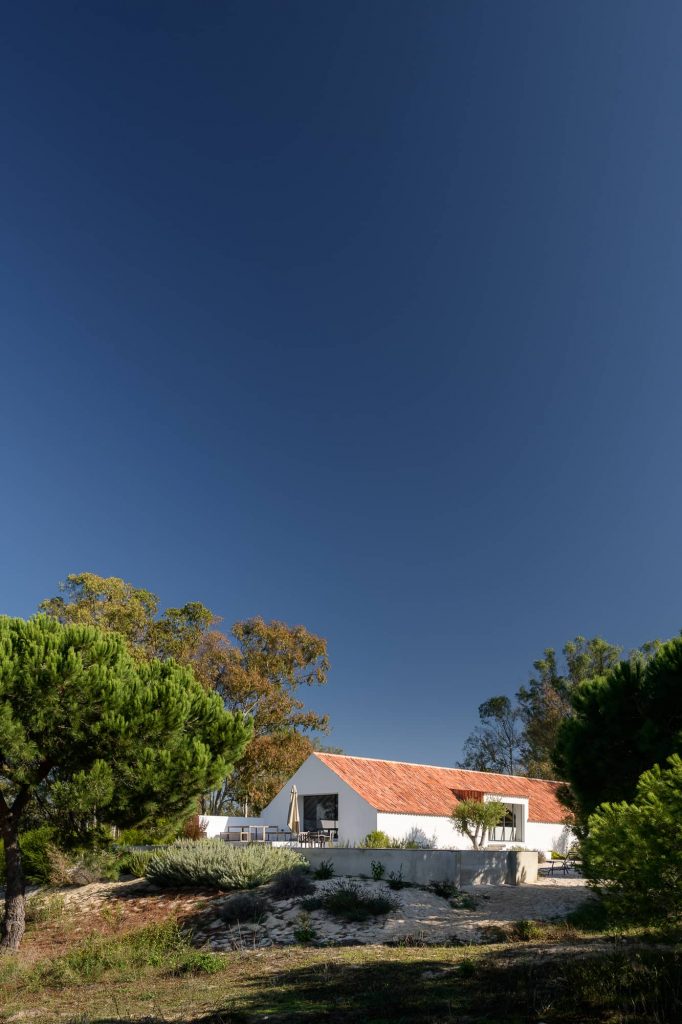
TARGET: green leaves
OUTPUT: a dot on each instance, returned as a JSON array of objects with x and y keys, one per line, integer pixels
[
  {"x": 473, "y": 818},
  {"x": 91, "y": 732},
  {"x": 633, "y": 853},
  {"x": 628, "y": 719}
]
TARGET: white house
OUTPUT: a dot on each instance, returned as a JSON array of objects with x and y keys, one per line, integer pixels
[{"x": 361, "y": 795}]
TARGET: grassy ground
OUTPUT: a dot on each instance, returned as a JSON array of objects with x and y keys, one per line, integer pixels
[{"x": 556, "y": 974}]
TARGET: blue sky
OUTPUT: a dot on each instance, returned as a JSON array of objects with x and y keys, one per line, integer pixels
[{"x": 360, "y": 315}]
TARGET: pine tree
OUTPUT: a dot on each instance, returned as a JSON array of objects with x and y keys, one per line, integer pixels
[{"x": 85, "y": 727}]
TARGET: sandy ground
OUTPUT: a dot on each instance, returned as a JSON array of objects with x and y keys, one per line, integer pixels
[
  {"x": 109, "y": 908},
  {"x": 422, "y": 916}
]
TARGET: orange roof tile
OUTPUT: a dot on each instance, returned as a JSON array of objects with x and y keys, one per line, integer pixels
[{"x": 401, "y": 788}]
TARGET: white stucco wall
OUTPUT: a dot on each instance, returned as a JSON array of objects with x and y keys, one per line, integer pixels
[
  {"x": 436, "y": 830},
  {"x": 548, "y": 836},
  {"x": 313, "y": 778},
  {"x": 216, "y": 823}
]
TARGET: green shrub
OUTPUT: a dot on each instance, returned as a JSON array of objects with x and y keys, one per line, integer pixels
[
  {"x": 526, "y": 931},
  {"x": 291, "y": 884},
  {"x": 446, "y": 890},
  {"x": 157, "y": 945},
  {"x": 35, "y": 847},
  {"x": 42, "y": 908},
  {"x": 376, "y": 840},
  {"x": 633, "y": 855},
  {"x": 196, "y": 961},
  {"x": 213, "y": 864},
  {"x": 135, "y": 862},
  {"x": 351, "y": 902},
  {"x": 395, "y": 880},
  {"x": 82, "y": 867},
  {"x": 378, "y": 870},
  {"x": 244, "y": 906},
  {"x": 324, "y": 870},
  {"x": 304, "y": 930}
]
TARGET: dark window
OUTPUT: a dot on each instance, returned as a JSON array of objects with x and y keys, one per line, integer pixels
[
  {"x": 318, "y": 809},
  {"x": 507, "y": 831}
]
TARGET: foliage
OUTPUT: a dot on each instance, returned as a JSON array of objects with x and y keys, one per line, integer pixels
[
  {"x": 304, "y": 930},
  {"x": 194, "y": 828},
  {"x": 376, "y": 840},
  {"x": 446, "y": 890},
  {"x": 35, "y": 845},
  {"x": 628, "y": 719},
  {"x": 324, "y": 870},
  {"x": 378, "y": 870},
  {"x": 545, "y": 702},
  {"x": 157, "y": 945},
  {"x": 473, "y": 818},
  {"x": 244, "y": 906},
  {"x": 42, "y": 908},
  {"x": 83, "y": 867},
  {"x": 261, "y": 673},
  {"x": 526, "y": 931},
  {"x": 98, "y": 739},
  {"x": 519, "y": 736},
  {"x": 135, "y": 862},
  {"x": 216, "y": 865},
  {"x": 258, "y": 670},
  {"x": 496, "y": 744},
  {"x": 292, "y": 883},
  {"x": 158, "y": 832},
  {"x": 395, "y": 879},
  {"x": 352, "y": 902},
  {"x": 114, "y": 605},
  {"x": 633, "y": 855},
  {"x": 415, "y": 839}
]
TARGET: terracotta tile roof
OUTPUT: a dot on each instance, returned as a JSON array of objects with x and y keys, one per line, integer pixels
[{"x": 400, "y": 788}]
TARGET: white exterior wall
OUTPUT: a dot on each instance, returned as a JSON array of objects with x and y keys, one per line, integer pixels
[
  {"x": 548, "y": 836},
  {"x": 313, "y": 778},
  {"x": 217, "y": 823},
  {"x": 438, "y": 832}
]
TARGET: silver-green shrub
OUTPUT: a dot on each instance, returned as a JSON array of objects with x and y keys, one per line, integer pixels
[{"x": 213, "y": 864}]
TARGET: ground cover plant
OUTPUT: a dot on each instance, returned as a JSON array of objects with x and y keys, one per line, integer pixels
[
  {"x": 213, "y": 864},
  {"x": 351, "y": 901},
  {"x": 244, "y": 906},
  {"x": 291, "y": 884},
  {"x": 156, "y": 977}
]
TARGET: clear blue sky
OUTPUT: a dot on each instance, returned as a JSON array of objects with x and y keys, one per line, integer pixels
[{"x": 361, "y": 315}]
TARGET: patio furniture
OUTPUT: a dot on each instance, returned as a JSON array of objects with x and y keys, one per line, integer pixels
[
  {"x": 275, "y": 834},
  {"x": 313, "y": 838},
  {"x": 235, "y": 834}
]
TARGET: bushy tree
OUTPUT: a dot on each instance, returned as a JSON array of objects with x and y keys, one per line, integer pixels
[
  {"x": 496, "y": 744},
  {"x": 623, "y": 722},
  {"x": 518, "y": 736},
  {"x": 87, "y": 729},
  {"x": 474, "y": 818},
  {"x": 259, "y": 670},
  {"x": 633, "y": 852},
  {"x": 545, "y": 701}
]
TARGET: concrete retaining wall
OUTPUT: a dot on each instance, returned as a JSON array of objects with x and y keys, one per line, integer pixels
[{"x": 462, "y": 867}]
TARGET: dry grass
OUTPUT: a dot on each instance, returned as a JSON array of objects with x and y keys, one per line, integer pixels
[{"x": 119, "y": 964}]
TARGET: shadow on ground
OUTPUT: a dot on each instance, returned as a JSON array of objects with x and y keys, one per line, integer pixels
[{"x": 530, "y": 985}]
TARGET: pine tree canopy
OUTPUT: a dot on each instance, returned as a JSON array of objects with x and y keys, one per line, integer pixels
[{"x": 84, "y": 726}]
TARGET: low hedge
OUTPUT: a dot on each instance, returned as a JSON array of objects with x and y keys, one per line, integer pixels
[{"x": 213, "y": 864}]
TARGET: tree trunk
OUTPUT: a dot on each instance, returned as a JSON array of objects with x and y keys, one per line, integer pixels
[{"x": 14, "y": 923}]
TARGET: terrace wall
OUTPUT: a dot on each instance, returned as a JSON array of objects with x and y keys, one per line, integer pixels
[{"x": 461, "y": 867}]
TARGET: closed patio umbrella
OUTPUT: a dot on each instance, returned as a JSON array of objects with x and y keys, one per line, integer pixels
[{"x": 293, "y": 821}]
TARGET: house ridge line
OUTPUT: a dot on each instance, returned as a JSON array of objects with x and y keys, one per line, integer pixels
[{"x": 440, "y": 767}]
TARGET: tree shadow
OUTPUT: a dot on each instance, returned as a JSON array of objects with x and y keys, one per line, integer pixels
[{"x": 529, "y": 983}]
